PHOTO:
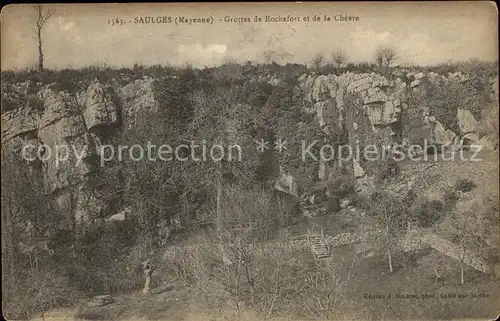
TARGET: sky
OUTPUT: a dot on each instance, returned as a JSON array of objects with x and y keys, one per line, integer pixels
[{"x": 79, "y": 35}]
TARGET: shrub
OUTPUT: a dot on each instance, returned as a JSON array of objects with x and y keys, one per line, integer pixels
[
  {"x": 444, "y": 99},
  {"x": 240, "y": 205},
  {"x": 37, "y": 292},
  {"x": 342, "y": 186},
  {"x": 103, "y": 263},
  {"x": 450, "y": 198},
  {"x": 428, "y": 212},
  {"x": 333, "y": 204},
  {"x": 465, "y": 185},
  {"x": 172, "y": 95},
  {"x": 12, "y": 97},
  {"x": 387, "y": 169},
  {"x": 36, "y": 104},
  {"x": 8, "y": 105},
  {"x": 410, "y": 197},
  {"x": 360, "y": 201}
]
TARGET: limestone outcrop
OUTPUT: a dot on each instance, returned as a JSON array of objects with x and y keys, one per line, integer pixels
[
  {"x": 63, "y": 137},
  {"x": 368, "y": 109},
  {"x": 364, "y": 109},
  {"x": 100, "y": 109}
]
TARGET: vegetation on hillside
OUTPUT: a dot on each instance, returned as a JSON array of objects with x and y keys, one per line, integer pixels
[{"x": 223, "y": 105}]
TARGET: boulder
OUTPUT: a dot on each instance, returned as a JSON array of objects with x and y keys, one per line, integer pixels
[
  {"x": 419, "y": 75},
  {"x": 120, "y": 216},
  {"x": 415, "y": 83},
  {"x": 344, "y": 203},
  {"x": 286, "y": 183},
  {"x": 457, "y": 77},
  {"x": 383, "y": 114},
  {"x": 320, "y": 90},
  {"x": 99, "y": 107},
  {"x": 137, "y": 97},
  {"x": 358, "y": 170},
  {"x": 443, "y": 136},
  {"x": 487, "y": 143},
  {"x": 116, "y": 217},
  {"x": 466, "y": 121},
  {"x": 375, "y": 95}
]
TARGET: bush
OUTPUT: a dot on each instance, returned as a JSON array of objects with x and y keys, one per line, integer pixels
[
  {"x": 360, "y": 201},
  {"x": 37, "y": 292},
  {"x": 182, "y": 263},
  {"x": 387, "y": 169},
  {"x": 342, "y": 186},
  {"x": 104, "y": 262},
  {"x": 465, "y": 185},
  {"x": 410, "y": 197},
  {"x": 241, "y": 205},
  {"x": 450, "y": 198},
  {"x": 446, "y": 98},
  {"x": 428, "y": 213},
  {"x": 36, "y": 104},
  {"x": 8, "y": 105},
  {"x": 333, "y": 204},
  {"x": 12, "y": 97},
  {"x": 172, "y": 95}
]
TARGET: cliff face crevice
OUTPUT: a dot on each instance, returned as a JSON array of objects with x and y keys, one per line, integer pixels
[{"x": 365, "y": 109}]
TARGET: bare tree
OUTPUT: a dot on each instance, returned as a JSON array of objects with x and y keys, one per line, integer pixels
[
  {"x": 42, "y": 18},
  {"x": 339, "y": 57},
  {"x": 440, "y": 268},
  {"x": 390, "y": 213},
  {"x": 318, "y": 61},
  {"x": 269, "y": 56},
  {"x": 385, "y": 57},
  {"x": 148, "y": 269}
]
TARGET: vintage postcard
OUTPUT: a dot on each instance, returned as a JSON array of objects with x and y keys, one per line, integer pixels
[{"x": 250, "y": 161}]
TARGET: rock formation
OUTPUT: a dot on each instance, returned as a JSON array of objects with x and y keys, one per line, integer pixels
[
  {"x": 364, "y": 109},
  {"x": 65, "y": 137}
]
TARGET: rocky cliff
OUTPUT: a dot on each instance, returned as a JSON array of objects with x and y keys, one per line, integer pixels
[
  {"x": 366, "y": 108},
  {"x": 73, "y": 125}
]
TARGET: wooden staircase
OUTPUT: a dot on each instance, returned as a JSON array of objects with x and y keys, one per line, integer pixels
[{"x": 318, "y": 245}]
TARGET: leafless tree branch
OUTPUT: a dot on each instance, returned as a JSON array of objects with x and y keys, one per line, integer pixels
[{"x": 42, "y": 17}]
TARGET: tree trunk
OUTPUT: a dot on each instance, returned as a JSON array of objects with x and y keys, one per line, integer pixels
[
  {"x": 147, "y": 284},
  {"x": 40, "y": 51},
  {"x": 462, "y": 258},
  {"x": 352, "y": 266},
  {"x": 388, "y": 248},
  {"x": 390, "y": 260},
  {"x": 148, "y": 271},
  {"x": 218, "y": 199}
]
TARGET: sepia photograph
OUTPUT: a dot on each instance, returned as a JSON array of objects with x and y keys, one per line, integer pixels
[{"x": 265, "y": 161}]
